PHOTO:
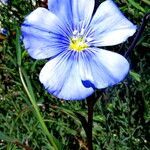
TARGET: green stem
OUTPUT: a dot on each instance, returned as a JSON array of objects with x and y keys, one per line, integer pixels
[{"x": 40, "y": 118}]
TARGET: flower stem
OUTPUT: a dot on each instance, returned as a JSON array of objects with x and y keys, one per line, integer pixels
[
  {"x": 138, "y": 34},
  {"x": 88, "y": 130},
  {"x": 90, "y": 105}
]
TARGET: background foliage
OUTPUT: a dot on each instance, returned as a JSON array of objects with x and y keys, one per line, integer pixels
[{"x": 121, "y": 115}]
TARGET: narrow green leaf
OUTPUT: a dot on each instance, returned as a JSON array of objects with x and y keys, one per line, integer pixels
[
  {"x": 135, "y": 76},
  {"x": 29, "y": 91},
  {"x": 29, "y": 86},
  {"x": 136, "y": 5},
  {"x": 18, "y": 47},
  {"x": 146, "y": 2}
]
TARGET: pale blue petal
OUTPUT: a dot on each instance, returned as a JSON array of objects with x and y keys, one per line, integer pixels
[
  {"x": 82, "y": 12},
  {"x": 41, "y": 45},
  {"x": 109, "y": 26},
  {"x": 62, "y": 9},
  {"x": 101, "y": 68},
  {"x": 77, "y": 12},
  {"x": 45, "y": 20},
  {"x": 60, "y": 76},
  {"x": 44, "y": 37}
]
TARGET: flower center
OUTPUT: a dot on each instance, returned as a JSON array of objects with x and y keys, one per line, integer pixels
[{"x": 78, "y": 44}]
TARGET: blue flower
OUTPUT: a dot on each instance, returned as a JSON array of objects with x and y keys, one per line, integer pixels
[
  {"x": 4, "y": 1},
  {"x": 69, "y": 36}
]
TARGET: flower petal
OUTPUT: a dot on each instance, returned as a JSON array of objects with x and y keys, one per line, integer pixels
[
  {"x": 73, "y": 11},
  {"x": 44, "y": 37},
  {"x": 61, "y": 77},
  {"x": 101, "y": 68},
  {"x": 109, "y": 26},
  {"x": 62, "y": 9},
  {"x": 82, "y": 11},
  {"x": 41, "y": 45}
]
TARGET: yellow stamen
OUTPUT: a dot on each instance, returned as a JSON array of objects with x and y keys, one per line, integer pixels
[{"x": 78, "y": 44}]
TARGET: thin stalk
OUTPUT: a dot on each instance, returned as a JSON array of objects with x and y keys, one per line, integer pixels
[
  {"x": 138, "y": 34},
  {"x": 87, "y": 124},
  {"x": 90, "y": 105},
  {"x": 40, "y": 118}
]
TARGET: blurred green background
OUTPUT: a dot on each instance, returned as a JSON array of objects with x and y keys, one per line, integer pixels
[{"x": 121, "y": 115}]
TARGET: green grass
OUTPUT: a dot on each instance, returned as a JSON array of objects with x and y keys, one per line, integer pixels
[{"x": 121, "y": 115}]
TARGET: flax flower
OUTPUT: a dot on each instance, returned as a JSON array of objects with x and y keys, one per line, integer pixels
[{"x": 70, "y": 37}]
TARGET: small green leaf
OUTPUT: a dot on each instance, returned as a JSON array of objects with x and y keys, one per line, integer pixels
[
  {"x": 136, "y": 5},
  {"x": 99, "y": 118},
  {"x": 135, "y": 76}
]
